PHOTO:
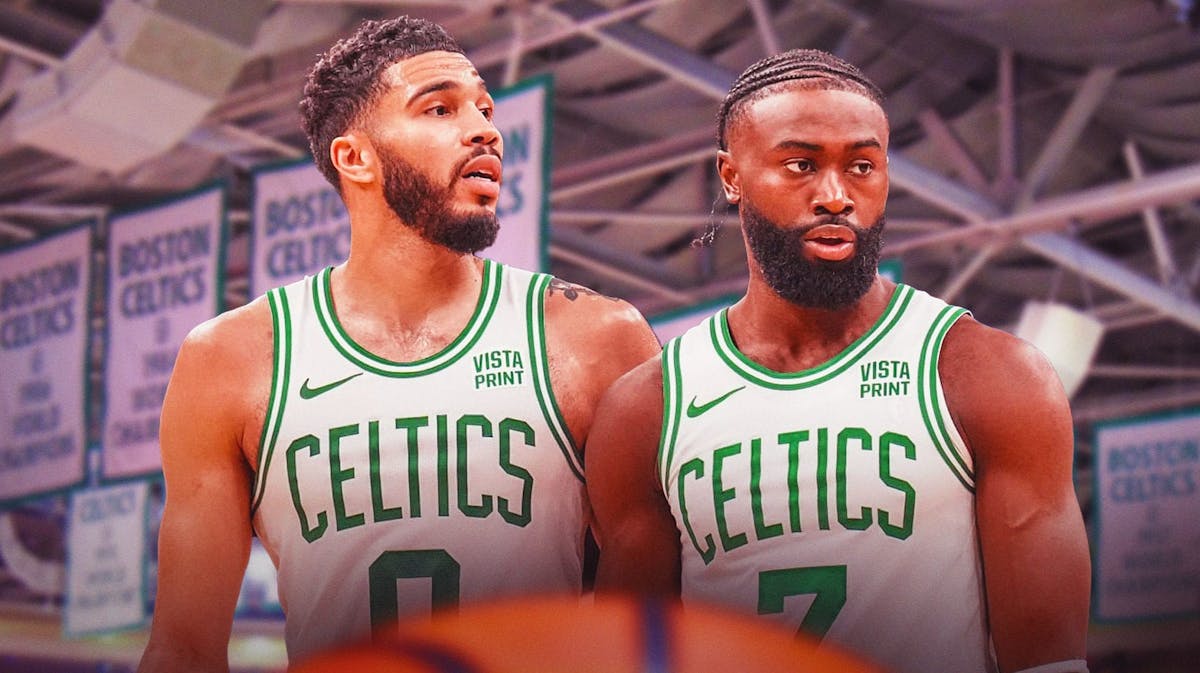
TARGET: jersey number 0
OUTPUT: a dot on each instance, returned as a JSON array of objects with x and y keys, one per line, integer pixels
[{"x": 436, "y": 564}]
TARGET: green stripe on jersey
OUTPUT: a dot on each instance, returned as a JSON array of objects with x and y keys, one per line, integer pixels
[
  {"x": 489, "y": 295},
  {"x": 281, "y": 321},
  {"x": 757, "y": 374},
  {"x": 931, "y": 402},
  {"x": 672, "y": 407},
  {"x": 540, "y": 364}
]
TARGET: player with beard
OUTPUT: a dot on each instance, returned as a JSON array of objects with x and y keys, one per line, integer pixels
[
  {"x": 841, "y": 454},
  {"x": 403, "y": 431}
]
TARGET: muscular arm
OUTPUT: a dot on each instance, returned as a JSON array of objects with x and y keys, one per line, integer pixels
[
  {"x": 1012, "y": 411},
  {"x": 204, "y": 540},
  {"x": 591, "y": 341},
  {"x": 639, "y": 545}
]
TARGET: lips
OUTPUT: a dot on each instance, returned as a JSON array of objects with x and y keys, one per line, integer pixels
[
  {"x": 831, "y": 242},
  {"x": 482, "y": 175}
]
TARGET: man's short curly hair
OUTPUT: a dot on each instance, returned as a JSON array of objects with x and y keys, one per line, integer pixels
[
  {"x": 808, "y": 68},
  {"x": 345, "y": 82}
]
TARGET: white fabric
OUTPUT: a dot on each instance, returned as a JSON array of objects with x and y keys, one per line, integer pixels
[
  {"x": 751, "y": 462},
  {"x": 490, "y": 506}
]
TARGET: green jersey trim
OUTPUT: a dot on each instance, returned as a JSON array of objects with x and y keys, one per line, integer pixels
[
  {"x": 281, "y": 321},
  {"x": 540, "y": 361},
  {"x": 672, "y": 405},
  {"x": 755, "y": 373},
  {"x": 489, "y": 295},
  {"x": 932, "y": 405}
]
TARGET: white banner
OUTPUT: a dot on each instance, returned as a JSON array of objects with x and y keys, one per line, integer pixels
[
  {"x": 43, "y": 364},
  {"x": 164, "y": 278},
  {"x": 300, "y": 225},
  {"x": 106, "y": 559},
  {"x": 523, "y": 114},
  {"x": 1147, "y": 498}
]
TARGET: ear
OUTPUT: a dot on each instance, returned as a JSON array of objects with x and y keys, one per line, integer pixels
[
  {"x": 729, "y": 177},
  {"x": 354, "y": 158}
]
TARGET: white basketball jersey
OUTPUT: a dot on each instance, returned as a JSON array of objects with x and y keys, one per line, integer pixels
[
  {"x": 839, "y": 499},
  {"x": 385, "y": 488}
]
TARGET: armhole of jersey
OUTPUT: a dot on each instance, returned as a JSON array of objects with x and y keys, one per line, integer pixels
[
  {"x": 932, "y": 400},
  {"x": 672, "y": 389},
  {"x": 540, "y": 368},
  {"x": 281, "y": 321}
]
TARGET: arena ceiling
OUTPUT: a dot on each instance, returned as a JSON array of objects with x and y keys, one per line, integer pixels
[{"x": 1042, "y": 150}]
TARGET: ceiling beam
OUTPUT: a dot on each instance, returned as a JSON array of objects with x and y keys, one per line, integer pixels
[
  {"x": 1066, "y": 133},
  {"x": 650, "y": 49},
  {"x": 1094, "y": 204},
  {"x": 1103, "y": 271},
  {"x": 1165, "y": 261}
]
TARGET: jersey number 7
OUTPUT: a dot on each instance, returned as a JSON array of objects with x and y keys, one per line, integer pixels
[{"x": 826, "y": 583}]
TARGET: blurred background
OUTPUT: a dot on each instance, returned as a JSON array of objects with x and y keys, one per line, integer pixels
[{"x": 1045, "y": 168}]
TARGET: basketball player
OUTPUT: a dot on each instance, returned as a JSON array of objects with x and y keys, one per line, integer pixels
[
  {"x": 404, "y": 430},
  {"x": 837, "y": 452}
]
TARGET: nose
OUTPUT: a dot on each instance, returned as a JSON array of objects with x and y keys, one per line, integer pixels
[
  {"x": 830, "y": 197},
  {"x": 481, "y": 131}
]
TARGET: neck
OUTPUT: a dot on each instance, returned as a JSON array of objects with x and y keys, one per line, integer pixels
[
  {"x": 395, "y": 274},
  {"x": 786, "y": 337}
]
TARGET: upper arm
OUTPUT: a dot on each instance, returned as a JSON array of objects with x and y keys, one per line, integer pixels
[
  {"x": 591, "y": 341},
  {"x": 639, "y": 544},
  {"x": 1015, "y": 418},
  {"x": 204, "y": 539}
]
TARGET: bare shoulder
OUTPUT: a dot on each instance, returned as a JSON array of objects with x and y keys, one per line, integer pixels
[
  {"x": 641, "y": 388},
  {"x": 604, "y": 335},
  {"x": 976, "y": 353},
  {"x": 569, "y": 306},
  {"x": 241, "y": 335},
  {"x": 999, "y": 387},
  {"x": 222, "y": 376}
]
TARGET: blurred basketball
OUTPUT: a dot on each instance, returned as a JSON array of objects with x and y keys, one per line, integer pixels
[{"x": 565, "y": 635}]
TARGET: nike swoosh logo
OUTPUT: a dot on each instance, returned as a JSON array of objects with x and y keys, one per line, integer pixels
[
  {"x": 695, "y": 410},
  {"x": 307, "y": 393}
]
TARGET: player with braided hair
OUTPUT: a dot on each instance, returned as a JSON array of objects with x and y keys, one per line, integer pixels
[{"x": 836, "y": 452}]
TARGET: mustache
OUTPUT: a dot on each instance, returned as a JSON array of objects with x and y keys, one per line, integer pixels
[{"x": 839, "y": 220}]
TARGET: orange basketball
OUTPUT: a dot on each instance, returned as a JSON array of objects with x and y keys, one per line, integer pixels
[{"x": 566, "y": 635}]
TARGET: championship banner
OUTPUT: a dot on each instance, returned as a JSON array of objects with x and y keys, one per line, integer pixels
[
  {"x": 44, "y": 331},
  {"x": 1147, "y": 495},
  {"x": 165, "y": 270},
  {"x": 523, "y": 114},
  {"x": 300, "y": 226},
  {"x": 106, "y": 559}
]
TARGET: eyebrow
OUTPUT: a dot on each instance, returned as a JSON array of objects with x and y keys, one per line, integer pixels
[
  {"x": 813, "y": 147},
  {"x": 444, "y": 85}
]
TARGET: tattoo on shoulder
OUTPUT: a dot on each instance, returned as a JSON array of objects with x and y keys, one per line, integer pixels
[{"x": 572, "y": 291}]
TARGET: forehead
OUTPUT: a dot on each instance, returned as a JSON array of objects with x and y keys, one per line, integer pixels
[
  {"x": 415, "y": 72},
  {"x": 826, "y": 117}
]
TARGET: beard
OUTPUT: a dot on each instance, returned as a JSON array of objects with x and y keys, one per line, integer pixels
[
  {"x": 424, "y": 206},
  {"x": 809, "y": 283}
]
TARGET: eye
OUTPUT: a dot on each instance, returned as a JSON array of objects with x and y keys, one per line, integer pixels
[
  {"x": 487, "y": 112},
  {"x": 438, "y": 111},
  {"x": 800, "y": 165},
  {"x": 862, "y": 168}
]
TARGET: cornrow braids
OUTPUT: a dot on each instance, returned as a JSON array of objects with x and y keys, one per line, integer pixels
[
  {"x": 815, "y": 68},
  {"x": 812, "y": 68},
  {"x": 345, "y": 81}
]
